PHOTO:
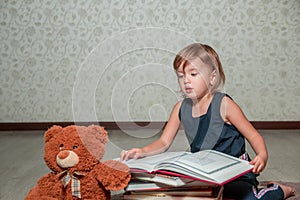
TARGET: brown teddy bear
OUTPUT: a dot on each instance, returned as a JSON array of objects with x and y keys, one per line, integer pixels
[{"x": 73, "y": 154}]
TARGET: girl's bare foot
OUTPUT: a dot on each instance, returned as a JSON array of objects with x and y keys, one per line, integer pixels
[{"x": 287, "y": 190}]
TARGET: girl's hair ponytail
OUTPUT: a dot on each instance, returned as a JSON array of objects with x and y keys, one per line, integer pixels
[{"x": 217, "y": 66}]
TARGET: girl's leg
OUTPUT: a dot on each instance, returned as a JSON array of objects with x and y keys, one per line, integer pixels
[
  {"x": 242, "y": 190},
  {"x": 238, "y": 190}
]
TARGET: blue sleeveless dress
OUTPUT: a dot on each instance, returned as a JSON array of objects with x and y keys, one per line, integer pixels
[{"x": 209, "y": 131}]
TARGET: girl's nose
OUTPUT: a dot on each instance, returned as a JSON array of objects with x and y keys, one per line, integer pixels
[{"x": 186, "y": 79}]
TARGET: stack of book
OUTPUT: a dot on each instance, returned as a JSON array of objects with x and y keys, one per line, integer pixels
[
  {"x": 140, "y": 189},
  {"x": 183, "y": 175}
]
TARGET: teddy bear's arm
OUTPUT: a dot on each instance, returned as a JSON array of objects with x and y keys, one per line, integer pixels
[
  {"x": 48, "y": 187},
  {"x": 113, "y": 174}
]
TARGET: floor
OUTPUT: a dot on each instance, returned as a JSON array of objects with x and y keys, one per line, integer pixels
[{"x": 22, "y": 164}]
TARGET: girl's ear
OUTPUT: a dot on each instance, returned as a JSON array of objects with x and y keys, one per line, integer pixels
[{"x": 213, "y": 77}]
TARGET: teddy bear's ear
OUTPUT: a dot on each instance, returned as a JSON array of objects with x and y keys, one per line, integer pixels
[
  {"x": 51, "y": 132},
  {"x": 100, "y": 133}
]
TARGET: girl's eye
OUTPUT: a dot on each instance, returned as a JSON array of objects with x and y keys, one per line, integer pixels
[
  {"x": 61, "y": 146},
  {"x": 180, "y": 75},
  {"x": 75, "y": 147}
]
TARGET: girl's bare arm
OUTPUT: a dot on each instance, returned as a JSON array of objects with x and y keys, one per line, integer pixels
[
  {"x": 233, "y": 114},
  {"x": 160, "y": 145}
]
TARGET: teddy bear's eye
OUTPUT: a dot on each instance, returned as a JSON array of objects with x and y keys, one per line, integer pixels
[
  {"x": 75, "y": 147},
  {"x": 61, "y": 146}
]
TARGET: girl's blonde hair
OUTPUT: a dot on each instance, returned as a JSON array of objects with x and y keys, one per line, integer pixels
[{"x": 207, "y": 55}]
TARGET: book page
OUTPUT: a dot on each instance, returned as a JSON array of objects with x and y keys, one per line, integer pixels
[
  {"x": 209, "y": 165},
  {"x": 208, "y": 161},
  {"x": 149, "y": 163}
]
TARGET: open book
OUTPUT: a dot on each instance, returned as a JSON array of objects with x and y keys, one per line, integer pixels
[{"x": 208, "y": 166}]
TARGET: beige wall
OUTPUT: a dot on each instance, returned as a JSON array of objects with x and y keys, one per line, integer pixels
[{"x": 112, "y": 60}]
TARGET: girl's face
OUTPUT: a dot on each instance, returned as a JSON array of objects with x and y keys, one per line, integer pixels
[{"x": 195, "y": 79}]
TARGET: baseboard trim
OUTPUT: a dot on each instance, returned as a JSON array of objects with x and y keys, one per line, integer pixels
[{"x": 28, "y": 126}]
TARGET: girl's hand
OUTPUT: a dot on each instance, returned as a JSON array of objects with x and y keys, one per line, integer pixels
[
  {"x": 259, "y": 164},
  {"x": 134, "y": 153}
]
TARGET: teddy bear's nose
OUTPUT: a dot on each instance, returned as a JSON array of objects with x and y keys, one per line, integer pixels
[
  {"x": 63, "y": 154},
  {"x": 67, "y": 158}
]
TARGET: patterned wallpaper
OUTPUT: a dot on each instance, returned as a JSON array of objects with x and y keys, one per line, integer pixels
[{"x": 86, "y": 60}]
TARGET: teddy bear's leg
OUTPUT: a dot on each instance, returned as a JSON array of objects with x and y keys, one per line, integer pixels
[{"x": 34, "y": 194}]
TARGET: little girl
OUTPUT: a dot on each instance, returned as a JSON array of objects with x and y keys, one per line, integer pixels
[{"x": 212, "y": 120}]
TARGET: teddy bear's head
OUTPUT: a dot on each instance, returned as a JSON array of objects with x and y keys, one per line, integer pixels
[{"x": 75, "y": 148}]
